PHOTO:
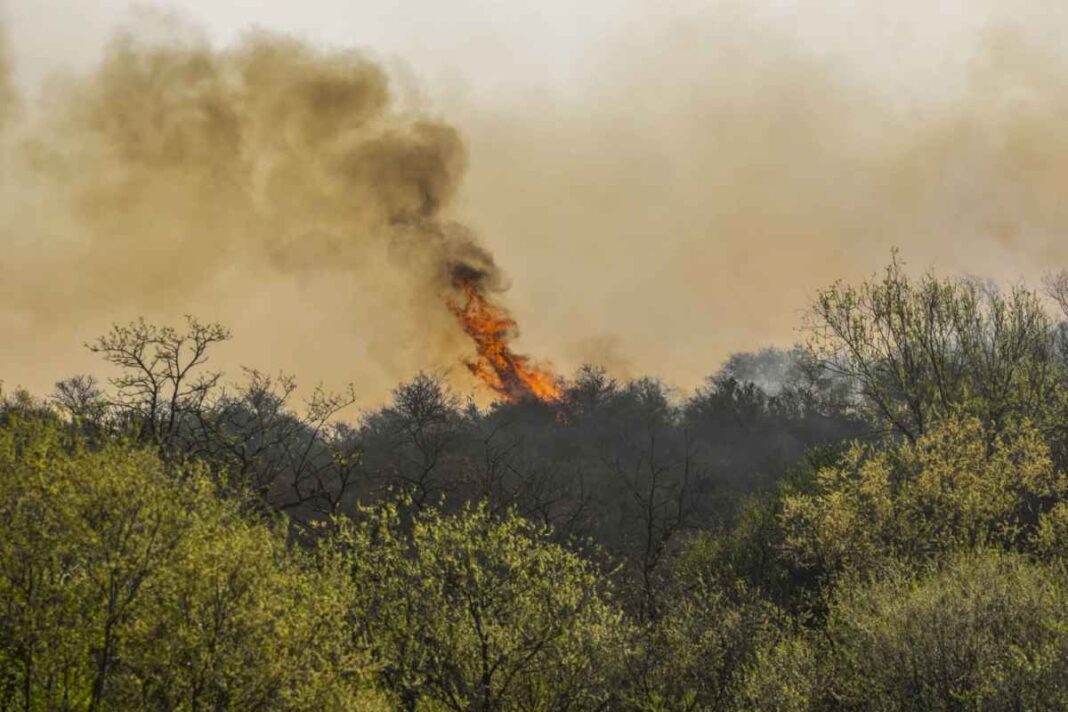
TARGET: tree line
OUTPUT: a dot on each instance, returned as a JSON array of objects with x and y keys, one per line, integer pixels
[{"x": 876, "y": 519}]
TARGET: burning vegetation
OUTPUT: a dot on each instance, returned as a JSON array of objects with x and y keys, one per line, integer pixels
[{"x": 512, "y": 376}]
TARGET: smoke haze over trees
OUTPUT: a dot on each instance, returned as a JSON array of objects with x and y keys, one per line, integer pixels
[
  {"x": 811, "y": 138},
  {"x": 723, "y": 481}
]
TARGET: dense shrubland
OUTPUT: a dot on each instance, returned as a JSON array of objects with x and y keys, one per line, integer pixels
[{"x": 876, "y": 519}]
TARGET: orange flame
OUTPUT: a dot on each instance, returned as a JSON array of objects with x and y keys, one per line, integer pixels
[{"x": 489, "y": 325}]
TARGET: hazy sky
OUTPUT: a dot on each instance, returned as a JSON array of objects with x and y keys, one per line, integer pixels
[
  {"x": 664, "y": 183},
  {"x": 494, "y": 51}
]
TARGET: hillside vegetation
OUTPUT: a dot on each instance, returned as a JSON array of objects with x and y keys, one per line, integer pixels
[{"x": 876, "y": 519}]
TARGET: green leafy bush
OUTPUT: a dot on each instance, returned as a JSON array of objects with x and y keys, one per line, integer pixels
[
  {"x": 470, "y": 611},
  {"x": 125, "y": 585},
  {"x": 958, "y": 487},
  {"x": 988, "y": 632}
]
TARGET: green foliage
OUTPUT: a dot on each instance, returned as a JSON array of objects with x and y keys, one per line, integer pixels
[
  {"x": 127, "y": 586},
  {"x": 144, "y": 563},
  {"x": 918, "y": 351},
  {"x": 469, "y": 611},
  {"x": 958, "y": 487},
  {"x": 749, "y": 551},
  {"x": 785, "y": 676},
  {"x": 695, "y": 654},
  {"x": 988, "y": 632}
]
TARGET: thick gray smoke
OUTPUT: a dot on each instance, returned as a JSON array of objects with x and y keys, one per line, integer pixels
[
  {"x": 170, "y": 163},
  {"x": 696, "y": 178},
  {"x": 173, "y": 170}
]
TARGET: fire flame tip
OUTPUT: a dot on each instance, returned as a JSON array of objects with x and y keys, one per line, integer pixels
[{"x": 512, "y": 376}]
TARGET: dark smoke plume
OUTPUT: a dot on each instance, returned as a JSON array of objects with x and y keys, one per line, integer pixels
[
  {"x": 173, "y": 166},
  {"x": 678, "y": 196}
]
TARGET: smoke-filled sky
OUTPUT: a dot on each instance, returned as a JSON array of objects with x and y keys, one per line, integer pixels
[{"x": 652, "y": 186}]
